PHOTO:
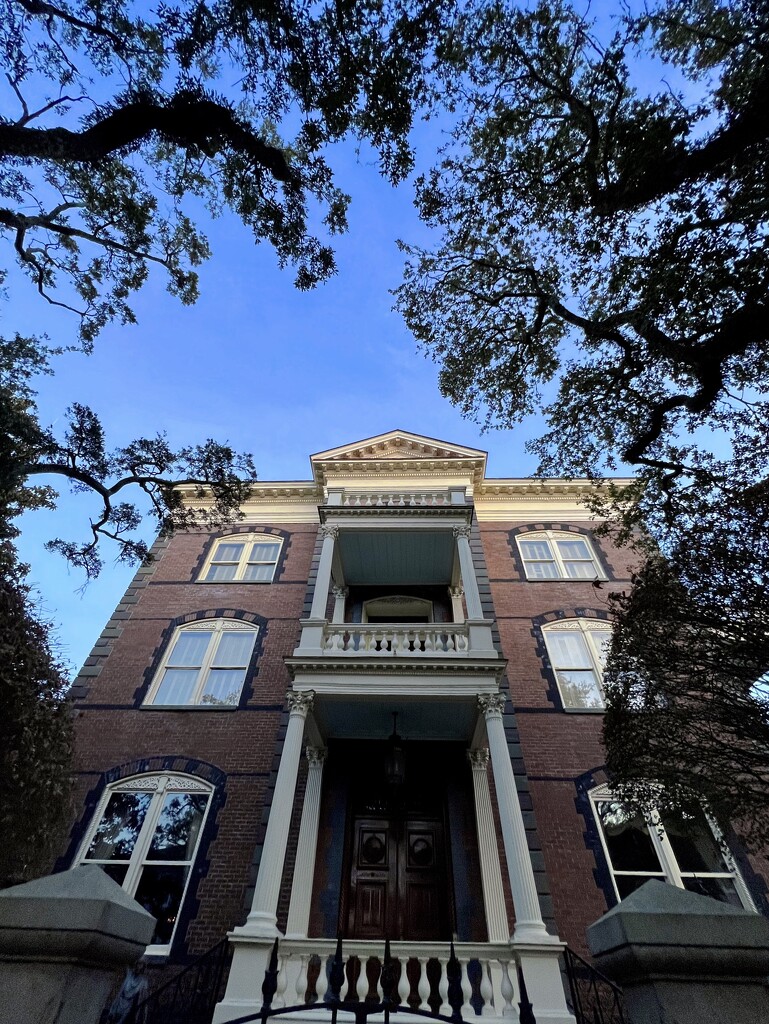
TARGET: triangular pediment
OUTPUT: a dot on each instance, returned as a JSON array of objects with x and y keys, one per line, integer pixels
[
  {"x": 398, "y": 448},
  {"x": 397, "y": 444}
]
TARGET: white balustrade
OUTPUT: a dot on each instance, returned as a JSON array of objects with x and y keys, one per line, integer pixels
[
  {"x": 395, "y": 499},
  {"x": 487, "y": 973},
  {"x": 397, "y": 640}
]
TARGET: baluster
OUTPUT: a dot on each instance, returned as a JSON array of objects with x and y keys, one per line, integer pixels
[
  {"x": 450, "y": 645},
  {"x": 486, "y": 990},
  {"x": 443, "y": 988},
  {"x": 280, "y": 991},
  {"x": 321, "y": 985},
  {"x": 379, "y": 984},
  {"x": 301, "y": 981},
  {"x": 423, "y": 987},
  {"x": 395, "y": 640},
  {"x": 345, "y": 981},
  {"x": 429, "y": 640},
  {"x": 467, "y": 987},
  {"x": 404, "y": 985},
  {"x": 338, "y": 979},
  {"x": 361, "y": 987},
  {"x": 507, "y": 991}
]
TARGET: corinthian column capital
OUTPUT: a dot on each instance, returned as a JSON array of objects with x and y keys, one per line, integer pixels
[
  {"x": 300, "y": 701},
  {"x": 491, "y": 703}
]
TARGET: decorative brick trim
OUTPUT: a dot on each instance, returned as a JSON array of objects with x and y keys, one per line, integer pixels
[
  {"x": 102, "y": 649},
  {"x": 546, "y": 669},
  {"x": 519, "y": 531},
  {"x": 233, "y": 531},
  {"x": 157, "y": 764},
  {"x": 212, "y": 613}
]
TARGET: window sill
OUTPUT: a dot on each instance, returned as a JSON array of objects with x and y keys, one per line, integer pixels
[
  {"x": 585, "y": 711},
  {"x": 189, "y": 707},
  {"x": 240, "y": 583}
]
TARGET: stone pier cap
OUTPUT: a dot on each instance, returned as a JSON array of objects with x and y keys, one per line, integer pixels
[
  {"x": 79, "y": 915},
  {"x": 663, "y": 931}
]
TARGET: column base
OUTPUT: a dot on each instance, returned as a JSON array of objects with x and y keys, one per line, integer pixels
[
  {"x": 541, "y": 967},
  {"x": 259, "y": 924}
]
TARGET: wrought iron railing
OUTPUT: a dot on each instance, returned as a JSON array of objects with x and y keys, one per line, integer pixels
[
  {"x": 594, "y": 999},
  {"x": 190, "y": 996}
]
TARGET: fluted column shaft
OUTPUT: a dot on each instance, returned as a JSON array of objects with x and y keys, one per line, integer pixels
[
  {"x": 467, "y": 569},
  {"x": 323, "y": 579},
  {"x": 263, "y": 917},
  {"x": 304, "y": 867},
  {"x": 491, "y": 875},
  {"x": 529, "y": 926}
]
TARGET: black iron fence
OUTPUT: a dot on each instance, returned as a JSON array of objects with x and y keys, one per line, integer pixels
[{"x": 594, "y": 999}]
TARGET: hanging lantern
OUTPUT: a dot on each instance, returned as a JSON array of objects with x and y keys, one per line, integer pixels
[{"x": 395, "y": 759}]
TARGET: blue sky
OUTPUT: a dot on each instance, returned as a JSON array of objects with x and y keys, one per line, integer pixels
[{"x": 277, "y": 372}]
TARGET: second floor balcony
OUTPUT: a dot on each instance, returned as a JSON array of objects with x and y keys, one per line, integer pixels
[{"x": 396, "y": 580}]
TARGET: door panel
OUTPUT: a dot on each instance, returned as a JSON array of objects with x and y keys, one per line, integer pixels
[{"x": 398, "y": 881}]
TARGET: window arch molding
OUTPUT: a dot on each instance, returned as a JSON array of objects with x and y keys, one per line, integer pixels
[
  {"x": 144, "y": 695},
  {"x": 239, "y": 567},
  {"x": 573, "y": 650},
  {"x": 690, "y": 854},
  {"x": 149, "y": 831},
  {"x": 556, "y": 551}
]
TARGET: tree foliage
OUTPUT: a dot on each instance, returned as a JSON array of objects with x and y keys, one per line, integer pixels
[
  {"x": 126, "y": 122},
  {"x": 602, "y": 212}
]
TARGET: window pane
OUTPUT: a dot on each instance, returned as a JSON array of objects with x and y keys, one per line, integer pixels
[
  {"x": 221, "y": 573},
  {"x": 176, "y": 833},
  {"x": 228, "y": 552},
  {"x": 573, "y": 549},
  {"x": 694, "y": 844},
  {"x": 259, "y": 573},
  {"x": 602, "y": 640},
  {"x": 160, "y": 892},
  {"x": 116, "y": 872},
  {"x": 722, "y": 889},
  {"x": 627, "y": 838},
  {"x": 223, "y": 686},
  {"x": 536, "y": 549},
  {"x": 579, "y": 689},
  {"x": 119, "y": 827},
  {"x": 568, "y": 649},
  {"x": 580, "y": 570},
  {"x": 190, "y": 648},
  {"x": 264, "y": 552},
  {"x": 234, "y": 648},
  {"x": 541, "y": 570},
  {"x": 178, "y": 686},
  {"x": 629, "y": 883}
]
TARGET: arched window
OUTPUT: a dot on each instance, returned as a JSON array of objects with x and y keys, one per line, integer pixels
[
  {"x": 685, "y": 851},
  {"x": 549, "y": 555},
  {"x": 398, "y": 608},
  {"x": 242, "y": 558},
  {"x": 577, "y": 650},
  {"x": 205, "y": 665},
  {"x": 145, "y": 834}
]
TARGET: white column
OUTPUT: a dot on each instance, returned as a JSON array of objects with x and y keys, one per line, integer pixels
[
  {"x": 340, "y": 595},
  {"x": 529, "y": 926},
  {"x": 467, "y": 569},
  {"x": 457, "y": 608},
  {"x": 323, "y": 580},
  {"x": 263, "y": 917},
  {"x": 304, "y": 868},
  {"x": 491, "y": 874}
]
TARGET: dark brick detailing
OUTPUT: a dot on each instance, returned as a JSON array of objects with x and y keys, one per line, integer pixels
[
  {"x": 102, "y": 649},
  {"x": 600, "y": 554},
  {"x": 214, "y": 613},
  {"x": 553, "y": 693},
  {"x": 233, "y": 531}
]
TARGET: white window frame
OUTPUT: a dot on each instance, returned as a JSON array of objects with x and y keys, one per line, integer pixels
[
  {"x": 242, "y": 564},
  {"x": 669, "y": 867},
  {"x": 159, "y": 785},
  {"x": 585, "y": 627},
  {"x": 551, "y": 538},
  {"x": 218, "y": 627}
]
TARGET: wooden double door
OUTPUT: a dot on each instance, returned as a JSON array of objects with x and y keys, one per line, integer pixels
[{"x": 398, "y": 878}]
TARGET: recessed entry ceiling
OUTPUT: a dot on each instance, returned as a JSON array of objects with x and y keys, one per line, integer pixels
[
  {"x": 341, "y": 718},
  {"x": 405, "y": 557}
]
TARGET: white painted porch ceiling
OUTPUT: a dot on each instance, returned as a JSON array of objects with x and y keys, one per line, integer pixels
[{"x": 396, "y": 557}]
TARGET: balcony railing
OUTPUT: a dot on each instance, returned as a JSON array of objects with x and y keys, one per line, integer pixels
[
  {"x": 397, "y": 640},
  {"x": 400, "y": 499},
  {"x": 488, "y": 976}
]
